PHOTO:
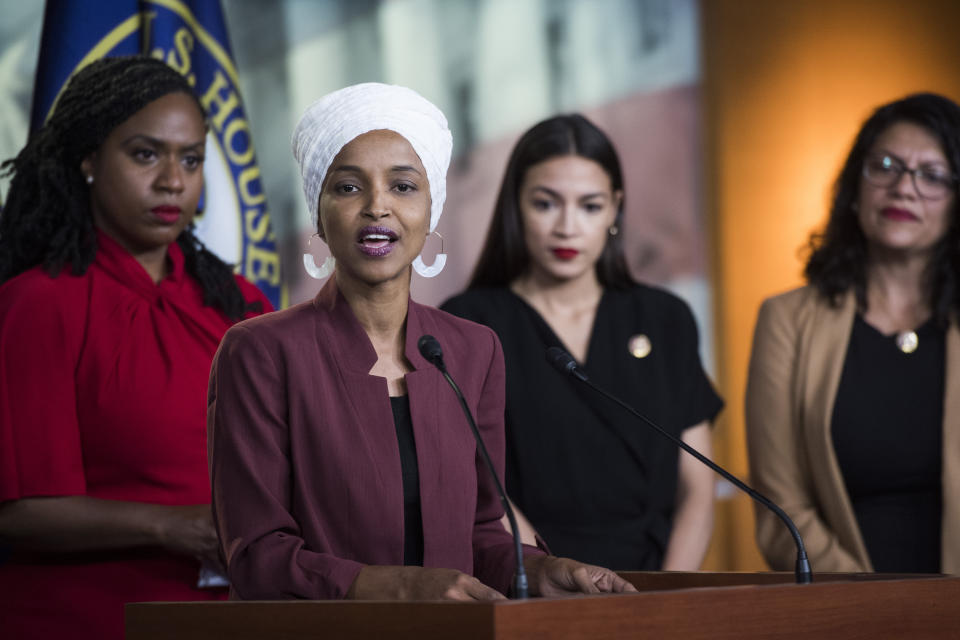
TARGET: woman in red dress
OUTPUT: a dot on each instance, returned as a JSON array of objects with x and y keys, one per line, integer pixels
[{"x": 110, "y": 312}]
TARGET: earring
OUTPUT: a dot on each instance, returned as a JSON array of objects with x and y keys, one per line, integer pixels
[
  {"x": 315, "y": 272},
  {"x": 613, "y": 230},
  {"x": 438, "y": 263},
  {"x": 89, "y": 179}
]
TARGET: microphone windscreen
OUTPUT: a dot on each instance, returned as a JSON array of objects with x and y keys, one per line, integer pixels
[
  {"x": 430, "y": 348},
  {"x": 561, "y": 360}
]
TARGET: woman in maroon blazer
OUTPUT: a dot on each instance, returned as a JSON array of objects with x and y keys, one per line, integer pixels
[{"x": 342, "y": 464}]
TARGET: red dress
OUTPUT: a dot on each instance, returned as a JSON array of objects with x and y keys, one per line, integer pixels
[{"x": 103, "y": 382}]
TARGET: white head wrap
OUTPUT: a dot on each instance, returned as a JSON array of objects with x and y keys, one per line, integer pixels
[{"x": 337, "y": 118}]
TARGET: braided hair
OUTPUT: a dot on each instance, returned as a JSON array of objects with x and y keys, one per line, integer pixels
[{"x": 46, "y": 219}]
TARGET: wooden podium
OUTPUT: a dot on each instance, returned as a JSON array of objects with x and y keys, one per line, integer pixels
[{"x": 670, "y": 605}]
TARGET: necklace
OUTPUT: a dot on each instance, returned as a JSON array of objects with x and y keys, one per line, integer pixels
[{"x": 907, "y": 341}]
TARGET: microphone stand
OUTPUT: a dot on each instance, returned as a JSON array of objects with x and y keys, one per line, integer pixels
[
  {"x": 565, "y": 363},
  {"x": 430, "y": 350}
]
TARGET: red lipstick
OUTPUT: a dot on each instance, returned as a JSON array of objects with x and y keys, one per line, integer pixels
[
  {"x": 565, "y": 253},
  {"x": 166, "y": 214},
  {"x": 899, "y": 215}
]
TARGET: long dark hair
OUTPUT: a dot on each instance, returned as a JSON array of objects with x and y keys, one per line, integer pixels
[
  {"x": 838, "y": 255},
  {"x": 46, "y": 219},
  {"x": 505, "y": 257}
]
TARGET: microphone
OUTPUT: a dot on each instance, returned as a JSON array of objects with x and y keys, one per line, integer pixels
[
  {"x": 564, "y": 363},
  {"x": 430, "y": 349}
]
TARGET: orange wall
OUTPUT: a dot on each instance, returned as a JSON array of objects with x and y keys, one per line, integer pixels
[{"x": 786, "y": 85}]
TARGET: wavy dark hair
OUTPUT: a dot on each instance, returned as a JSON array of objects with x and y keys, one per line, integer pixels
[
  {"x": 46, "y": 219},
  {"x": 838, "y": 255},
  {"x": 504, "y": 256}
]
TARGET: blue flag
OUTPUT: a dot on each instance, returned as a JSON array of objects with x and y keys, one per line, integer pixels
[{"x": 190, "y": 36}]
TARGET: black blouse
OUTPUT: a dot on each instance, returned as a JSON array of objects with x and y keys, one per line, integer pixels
[
  {"x": 412, "y": 519},
  {"x": 887, "y": 431},
  {"x": 597, "y": 484}
]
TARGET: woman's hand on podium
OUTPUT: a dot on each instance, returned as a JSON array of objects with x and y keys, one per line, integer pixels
[
  {"x": 418, "y": 583},
  {"x": 553, "y": 576}
]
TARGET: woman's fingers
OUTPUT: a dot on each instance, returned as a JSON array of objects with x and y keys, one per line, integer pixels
[
  {"x": 418, "y": 583},
  {"x": 476, "y": 590}
]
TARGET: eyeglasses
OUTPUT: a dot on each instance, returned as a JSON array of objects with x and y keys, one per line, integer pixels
[{"x": 931, "y": 183}]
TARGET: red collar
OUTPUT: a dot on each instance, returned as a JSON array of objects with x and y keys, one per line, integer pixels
[{"x": 118, "y": 262}]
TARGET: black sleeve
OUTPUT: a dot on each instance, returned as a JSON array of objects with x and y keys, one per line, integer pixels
[{"x": 704, "y": 402}]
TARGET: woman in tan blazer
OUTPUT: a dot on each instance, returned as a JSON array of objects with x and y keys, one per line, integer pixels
[{"x": 853, "y": 397}]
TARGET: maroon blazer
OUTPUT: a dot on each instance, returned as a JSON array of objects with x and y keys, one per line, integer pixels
[{"x": 304, "y": 459}]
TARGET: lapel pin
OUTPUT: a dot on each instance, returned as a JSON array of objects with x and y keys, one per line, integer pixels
[{"x": 639, "y": 346}]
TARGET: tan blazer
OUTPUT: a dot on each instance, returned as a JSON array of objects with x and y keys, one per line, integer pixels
[{"x": 799, "y": 346}]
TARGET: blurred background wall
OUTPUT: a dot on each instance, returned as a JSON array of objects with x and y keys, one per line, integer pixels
[{"x": 731, "y": 117}]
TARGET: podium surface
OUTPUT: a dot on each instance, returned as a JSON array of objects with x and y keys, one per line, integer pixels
[{"x": 669, "y": 605}]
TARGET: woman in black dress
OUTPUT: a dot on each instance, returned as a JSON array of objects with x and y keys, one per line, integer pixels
[{"x": 595, "y": 483}]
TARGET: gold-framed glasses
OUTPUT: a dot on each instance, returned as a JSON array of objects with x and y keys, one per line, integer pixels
[{"x": 932, "y": 182}]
